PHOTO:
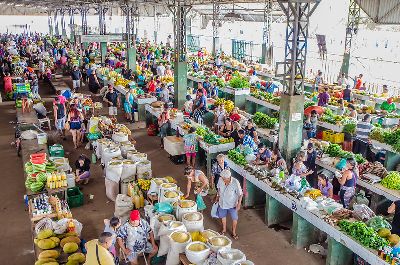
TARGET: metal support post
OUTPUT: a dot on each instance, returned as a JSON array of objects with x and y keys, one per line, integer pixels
[
  {"x": 216, "y": 23},
  {"x": 180, "y": 11},
  {"x": 63, "y": 29},
  {"x": 103, "y": 51},
  {"x": 266, "y": 42},
  {"x": 276, "y": 212},
  {"x": 129, "y": 11},
  {"x": 84, "y": 11},
  {"x": 102, "y": 10},
  {"x": 303, "y": 233},
  {"x": 56, "y": 32},
  {"x": 72, "y": 24},
  {"x": 292, "y": 101},
  {"x": 353, "y": 20},
  {"x": 338, "y": 254},
  {"x": 50, "y": 22},
  {"x": 156, "y": 25}
]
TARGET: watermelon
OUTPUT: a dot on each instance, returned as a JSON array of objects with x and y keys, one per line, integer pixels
[
  {"x": 28, "y": 182},
  {"x": 42, "y": 177},
  {"x": 36, "y": 186}
]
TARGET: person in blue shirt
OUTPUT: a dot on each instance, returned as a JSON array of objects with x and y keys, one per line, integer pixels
[
  {"x": 200, "y": 106},
  {"x": 246, "y": 140},
  {"x": 207, "y": 85},
  {"x": 263, "y": 155},
  {"x": 195, "y": 66},
  {"x": 271, "y": 87},
  {"x": 214, "y": 90},
  {"x": 141, "y": 80}
]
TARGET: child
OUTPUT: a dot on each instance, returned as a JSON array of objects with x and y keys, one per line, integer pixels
[{"x": 190, "y": 146}]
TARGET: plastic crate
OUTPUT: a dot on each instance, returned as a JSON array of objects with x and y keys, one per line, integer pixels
[
  {"x": 56, "y": 150},
  {"x": 337, "y": 138},
  {"x": 326, "y": 135},
  {"x": 74, "y": 197}
]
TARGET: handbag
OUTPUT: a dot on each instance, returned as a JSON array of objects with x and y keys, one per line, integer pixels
[
  {"x": 214, "y": 210},
  {"x": 67, "y": 126}
]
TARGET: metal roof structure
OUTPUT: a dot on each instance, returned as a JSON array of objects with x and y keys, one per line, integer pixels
[{"x": 382, "y": 11}]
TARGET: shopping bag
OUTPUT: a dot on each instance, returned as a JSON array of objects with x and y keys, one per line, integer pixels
[
  {"x": 214, "y": 210},
  {"x": 200, "y": 203}
]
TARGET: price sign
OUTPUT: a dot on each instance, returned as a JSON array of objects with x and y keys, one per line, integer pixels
[{"x": 294, "y": 206}]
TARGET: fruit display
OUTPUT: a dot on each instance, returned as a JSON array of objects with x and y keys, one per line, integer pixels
[
  {"x": 377, "y": 134},
  {"x": 313, "y": 193},
  {"x": 167, "y": 79},
  {"x": 211, "y": 138},
  {"x": 364, "y": 234},
  {"x": 201, "y": 131},
  {"x": 228, "y": 104},
  {"x": 335, "y": 150},
  {"x": 308, "y": 104},
  {"x": 392, "y": 180},
  {"x": 268, "y": 97},
  {"x": 144, "y": 184},
  {"x": 387, "y": 136},
  {"x": 264, "y": 121},
  {"x": 237, "y": 157},
  {"x": 226, "y": 140},
  {"x": 330, "y": 117}
]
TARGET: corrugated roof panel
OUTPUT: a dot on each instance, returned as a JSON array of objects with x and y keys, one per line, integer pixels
[{"x": 382, "y": 11}]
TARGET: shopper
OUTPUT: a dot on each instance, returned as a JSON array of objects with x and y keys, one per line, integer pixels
[
  {"x": 207, "y": 85},
  {"x": 226, "y": 129},
  {"x": 219, "y": 165},
  {"x": 352, "y": 111},
  {"x": 219, "y": 116},
  {"x": 348, "y": 182},
  {"x": 235, "y": 133},
  {"x": 200, "y": 106},
  {"x": 164, "y": 123},
  {"x": 347, "y": 93},
  {"x": 76, "y": 76},
  {"x": 229, "y": 199},
  {"x": 318, "y": 80},
  {"x": 8, "y": 87},
  {"x": 341, "y": 108},
  {"x": 190, "y": 146},
  {"x": 59, "y": 116},
  {"x": 75, "y": 119},
  {"x": 358, "y": 82},
  {"x": 161, "y": 70},
  {"x": 263, "y": 156},
  {"x": 199, "y": 179},
  {"x": 361, "y": 142},
  {"x": 112, "y": 99},
  {"x": 251, "y": 131},
  {"x": 246, "y": 140},
  {"x": 325, "y": 186},
  {"x": 128, "y": 105},
  {"x": 97, "y": 250},
  {"x": 164, "y": 95},
  {"x": 94, "y": 85},
  {"x": 35, "y": 86},
  {"x": 135, "y": 237},
  {"x": 311, "y": 165},
  {"x": 111, "y": 226},
  {"x": 278, "y": 162},
  {"x": 82, "y": 173},
  {"x": 323, "y": 97}
]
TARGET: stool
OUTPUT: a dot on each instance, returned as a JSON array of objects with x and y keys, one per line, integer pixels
[{"x": 43, "y": 121}]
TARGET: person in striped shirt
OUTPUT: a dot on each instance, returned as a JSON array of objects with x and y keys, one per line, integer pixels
[{"x": 360, "y": 144}]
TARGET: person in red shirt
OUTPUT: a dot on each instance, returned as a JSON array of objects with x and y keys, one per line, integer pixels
[
  {"x": 7, "y": 84},
  {"x": 151, "y": 87},
  {"x": 235, "y": 115},
  {"x": 359, "y": 81},
  {"x": 228, "y": 76}
]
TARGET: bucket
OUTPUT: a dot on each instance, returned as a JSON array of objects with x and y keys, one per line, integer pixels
[
  {"x": 42, "y": 138},
  {"x": 70, "y": 180}
]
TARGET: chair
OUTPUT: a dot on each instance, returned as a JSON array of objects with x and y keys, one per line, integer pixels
[{"x": 43, "y": 121}]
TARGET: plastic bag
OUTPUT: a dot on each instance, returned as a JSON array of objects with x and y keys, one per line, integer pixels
[
  {"x": 200, "y": 203},
  {"x": 341, "y": 164},
  {"x": 163, "y": 207},
  {"x": 214, "y": 210},
  {"x": 362, "y": 212},
  {"x": 45, "y": 223}
]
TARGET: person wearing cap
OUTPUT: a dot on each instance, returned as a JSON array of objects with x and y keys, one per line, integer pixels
[
  {"x": 229, "y": 199},
  {"x": 111, "y": 97},
  {"x": 135, "y": 237},
  {"x": 97, "y": 250},
  {"x": 325, "y": 186}
]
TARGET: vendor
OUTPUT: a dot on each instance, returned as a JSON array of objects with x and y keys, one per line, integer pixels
[
  {"x": 348, "y": 182},
  {"x": 277, "y": 161},
  {"x": 325, "y": 186},
  {"x": 388, "y": 105},
  {"x": 136, "y": 237},
  {"x": 352, "y": 111},
  {"x": 98, "y": 250},
  {"x": 235, "y": 114},
  {"x": 219, "y": 117},
  {"x": 251, "y": 130},
  {"x": 226, "y": 128},
  {"x": 263, "y": 155},
  {"x": 299, "y": 168},
  {"x": 395, "y": 208},
  {"x": 323, "y": 97},
  {"x": 246, "y": 140},
  {"x": 200, "y": 106},
  {"x": 199, "y": 179},
  {"x": 82, "y": 173},
  {"x": 310, "y": 164}
]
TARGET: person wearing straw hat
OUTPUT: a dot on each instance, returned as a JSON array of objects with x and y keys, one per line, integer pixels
[
  {"x": 229, "y": 198},
  {"x": 135, "y": 237}
]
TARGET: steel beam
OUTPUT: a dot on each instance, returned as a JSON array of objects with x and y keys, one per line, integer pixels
[
  {"x": 179, "y": 9},
  {"x": 266, "y": 42},
  {"x": 353, "y": 21},
  {"x": 50, "y": 22},
  {"x": 56, "y": 32},
  {"x": 63, "y": 24},
  {"x": 216, "y": 23},
  {"x": 84, "y": 11},
  {"x": 102, "y": 10},
  {"x": 129, "y": 12}
]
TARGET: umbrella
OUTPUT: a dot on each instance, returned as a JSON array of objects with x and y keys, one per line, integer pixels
[{"x": 318, "y": 109}]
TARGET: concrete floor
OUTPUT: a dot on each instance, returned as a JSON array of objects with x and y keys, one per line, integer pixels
[{"x": 260, "y": 244}]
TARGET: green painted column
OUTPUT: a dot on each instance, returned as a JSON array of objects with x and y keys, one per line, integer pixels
[
  {"x": 251, "y": 107},
  {"x": 345, "y": 63},
  {"x": 180, "y": 83},
  {"x": 85, "y": 45},
  {"x": 338, "y": 254},
  {"x": 291, "y": 124},
  {"x": 275, "y": 212},
  {"x": 303, "y": 232},
  {"x": 103, "y": 51},
  {"x": 131, "y": 58},
  {"x": 64, "y": 33},
  {"x": 215, "y": 46}
]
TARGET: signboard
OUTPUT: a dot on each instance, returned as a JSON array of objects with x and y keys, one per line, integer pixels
[{"x": 103, "y": 38}]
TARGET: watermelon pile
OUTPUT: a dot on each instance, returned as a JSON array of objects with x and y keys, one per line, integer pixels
[{"x": 37, "y": 170}]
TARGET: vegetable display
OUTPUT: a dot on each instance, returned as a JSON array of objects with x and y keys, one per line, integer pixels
[
  {"x": 268, "y": 97},
  {"x": 387, "y": 136},
  {"x": 237, "y": 157},
  {"x": 239, "y": 81},
  {"x": 308, "y": 104},
  {"x": 364, "y": 234},
  {"x": 392, "y": 180},
  {"x": 264, "y": 121},
  {"x": 378, "y": 222}
]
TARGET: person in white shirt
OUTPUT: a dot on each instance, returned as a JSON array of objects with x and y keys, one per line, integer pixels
[
  {"x": 161, "y": 70},
  {"x": 229, "y": 198}
]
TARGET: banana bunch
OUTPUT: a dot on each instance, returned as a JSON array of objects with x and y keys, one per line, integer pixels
[
  {"x": 226, "y": 140},
  {"x": 120, "y": 81},
  {"x": 228, "y": 104},
  {"x": 313, "y": 193},
  {"x": 167, "y": 79},
  {"x": 170, "y": 179},
  {"x": 123, "y": 129},
  {"x": 114, "y": 75},
  {"x": 144, "y": 184}
]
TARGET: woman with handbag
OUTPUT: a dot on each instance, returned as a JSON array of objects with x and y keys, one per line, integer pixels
[{"x": 74, "y": 124}]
